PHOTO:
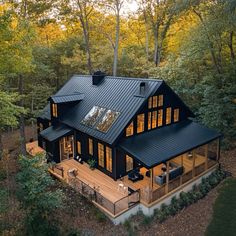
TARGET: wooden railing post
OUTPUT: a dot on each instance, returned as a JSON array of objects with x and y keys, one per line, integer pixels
[
  {"x": 182, "y": 164},
  {"x": 206, "y": 156},
  {"x": 194, "y": 156},
  {"x": 167, "y": 177}
]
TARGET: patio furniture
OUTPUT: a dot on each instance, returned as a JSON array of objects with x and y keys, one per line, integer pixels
[
  {"x": 173, "y": 173},
  {"x": 134, "y": 175}
]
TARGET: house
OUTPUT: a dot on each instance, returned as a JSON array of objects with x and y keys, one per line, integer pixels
[{"x": 138, "y": 134}]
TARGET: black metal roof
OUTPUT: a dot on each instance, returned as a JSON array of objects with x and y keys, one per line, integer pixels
[
  {"x": 67, "y": 98},
  {"x": 54, "y": 132},
  {"x": 115, "y": 93},
  {"x": 160, "y": 145}
]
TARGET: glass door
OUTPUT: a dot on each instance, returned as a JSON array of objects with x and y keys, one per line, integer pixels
[{"x": 66, "y": 147}]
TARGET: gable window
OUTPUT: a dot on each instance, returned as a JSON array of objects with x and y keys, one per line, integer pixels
[
  {"x": 154, "y": 119},
  {"x": 168, "y": 115},
  {"x": 90, "y": 146},
  {"x": 149, "y": 120},
  {"x": 129, "y": 163},
  {"x": 101, "y": 155},
  {"x": 160, "y": 100},
  {"x": 79, "y": 147},
  {"x": 130, "y": 129},
  {"x": 140, "y": 123},
  {"x": 109, "y": 159},
  {"x": 149, "y": 102},
  {"x": 54, "y": 110},
  {"x": 160, "y": 118},
  {"x": 176, "y": 115},
  {"x": 154, "y": 103}
]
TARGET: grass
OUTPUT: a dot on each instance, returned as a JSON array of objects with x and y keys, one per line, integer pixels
[{"x": 224, "y": 215}]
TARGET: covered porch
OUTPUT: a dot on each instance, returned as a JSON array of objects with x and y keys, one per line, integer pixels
[{"x": 170, "y": 158}]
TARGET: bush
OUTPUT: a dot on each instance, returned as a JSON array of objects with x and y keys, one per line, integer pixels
[
  {"x": 146, "y": 220},
  {"x": 3, "y": 174}
]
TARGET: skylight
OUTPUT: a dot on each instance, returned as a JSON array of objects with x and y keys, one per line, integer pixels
[
  {"x": 92, "y": 117},
  {"x": 107, "y": 120}
]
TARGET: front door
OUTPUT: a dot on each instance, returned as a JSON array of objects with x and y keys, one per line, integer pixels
[{"x": 66, "y": 147}]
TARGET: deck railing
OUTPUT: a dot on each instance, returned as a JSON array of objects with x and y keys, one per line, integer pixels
[
  {"x": 58, "y": 170},
  {"x": 93, "y": 194}
]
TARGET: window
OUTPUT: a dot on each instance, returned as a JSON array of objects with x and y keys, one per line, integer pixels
[
  {"x": 176, "y": 115},
  {"x": 79, "y": 147},
  {"x": 140, "y": 123},
  {"x": 109, "y": 159},
  {"x": 94, "y": 114},
  {"x": 160, "y": 118},
  {"x": 54, "y": 110},
  {"x": 108, "y": 119},
  {"x": 90, "y": 146},
  {"x": 149, "y": 120},
  {"x": 168, "y": 115},
  {"x": 154, "y": 119},
  {"x": 154, "y": 104},
  {"x": 101, "y": 155},
  {"x": 129, "y": 163},
  {"x": 160, "y": 100},
  {"x": 150, "y": 102},
  {"x": 130, "y": 129}
]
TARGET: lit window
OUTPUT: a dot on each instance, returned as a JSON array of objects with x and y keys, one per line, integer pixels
[
  {"x": 160, "y": 118},
  {"x": 149, "y": 120},
  {"x": 94, "y": 114},
  {"x": 90, "y": 146},
  {"x": 129, "y": 163},
  {"x": 79, "y": 147},
  {"x": 54, "y": 110},
  {"x": 140, "y": 123},
  {"x": 108, "y": 119},
  {"x": 168, "y": 115},
  {"x": 101, "y": 155},
  {"x": 176, "y": 115},
  {"x": 109, "y": 159},
  {"x": 154, "y": 104},
  {"x": 150, "y": 102},
  {"x": 130, "y": 129},
  {"x": 154, "y": 119},
  {"x": 160, "y": 100}
]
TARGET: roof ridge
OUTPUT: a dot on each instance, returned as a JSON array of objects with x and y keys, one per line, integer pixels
[{"x": 64, "y": 95}]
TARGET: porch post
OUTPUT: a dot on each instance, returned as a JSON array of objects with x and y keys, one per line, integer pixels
[
  {"x": 194, "y": 156},
  {"x": 206, "y": 156},
  {"x": 167, "y": 177},
  {"x": 218, "y": 150}
]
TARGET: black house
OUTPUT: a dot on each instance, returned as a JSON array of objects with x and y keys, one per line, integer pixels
[{"x": 121, "y": 123}]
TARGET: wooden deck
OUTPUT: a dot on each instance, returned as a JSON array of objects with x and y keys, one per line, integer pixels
[
  {"x": 33, "y": 148},
  {"x": 95, "y": 179}
]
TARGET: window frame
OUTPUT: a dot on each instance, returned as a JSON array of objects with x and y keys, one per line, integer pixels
[
  {"x": 140, "y": 124},
  {"x": 101, "y": 161},
  {"x": 109, "y": 159}
]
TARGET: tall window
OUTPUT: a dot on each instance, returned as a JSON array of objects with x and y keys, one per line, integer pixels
[
  {"x": 140, "y": 123},
  {"x": 176, "y": 115},
  {"x": 160, "y": 100},
  {"x": 79, "y": 147},
  {"x": 168, "y": 115},
  {"x": 90, "y": 146},
  {"x": 150, "y": 102},
  {"x": 160, "y": 118},
  {"x": 130, "y": 129},
  {"x": 109, "y": 159},
  {"x": 54, "y": 110},
  {"x": 101, "y": 155},
  {"x": 149, "y": 120},
  {"x": 154, "y": 119},
  {"x": 154, "y": 104},
  {"x": 129, "y": 163}
]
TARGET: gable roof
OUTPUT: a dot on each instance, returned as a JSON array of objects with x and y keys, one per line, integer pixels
[{"x": 114, "y": 93}]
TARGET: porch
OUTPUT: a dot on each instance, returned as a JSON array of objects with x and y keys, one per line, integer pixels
[{"x": 113, "y": 197}]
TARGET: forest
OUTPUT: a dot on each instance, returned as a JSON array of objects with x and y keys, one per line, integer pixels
[{"x": 191, "y": 44}]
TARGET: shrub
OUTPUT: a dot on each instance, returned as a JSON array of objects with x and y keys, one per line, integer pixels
[
  {"x": 91, "y": 163},
  {"x": 3, "y": 174},
  {"x": 146, "y": 220}
]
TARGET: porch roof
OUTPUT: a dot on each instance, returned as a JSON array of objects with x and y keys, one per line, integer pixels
[
  {"x": 54, "y": 132},
  {"x": 160, "y": 145}
]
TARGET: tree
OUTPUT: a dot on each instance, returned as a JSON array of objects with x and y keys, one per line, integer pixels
[{"x": 38, "y": 195}]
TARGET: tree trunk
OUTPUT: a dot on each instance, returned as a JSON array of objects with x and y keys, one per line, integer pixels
[
  {"x": 156, "y": 44},
  {"x": 1, "y": 145},
  {"x": 232, "y": 54},
  {"x": 22, "y": 119},
  {"x": 115, "y": 62}
]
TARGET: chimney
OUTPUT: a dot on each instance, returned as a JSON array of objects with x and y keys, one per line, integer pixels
[
  {"x": 97, "y": 77},
  {"x": 142, "y": 86}
]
